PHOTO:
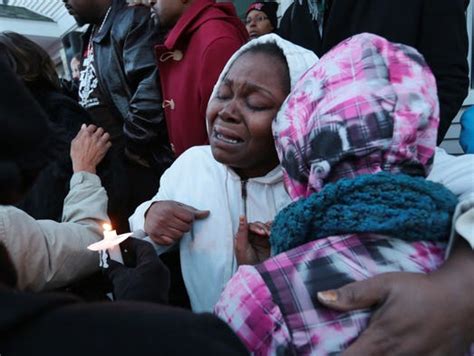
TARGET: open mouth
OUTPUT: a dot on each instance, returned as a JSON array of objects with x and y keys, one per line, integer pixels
[{"x": 226, "y": 137}]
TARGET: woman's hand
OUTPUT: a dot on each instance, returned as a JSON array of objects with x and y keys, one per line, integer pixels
[
  {"x": 88, "y": 148},
  {"x": 252, "y": 244},
  {"x": 167, "y": 221}
]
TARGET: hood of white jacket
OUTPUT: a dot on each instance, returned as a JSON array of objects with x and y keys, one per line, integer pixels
[{"x": 299, "y": 59}]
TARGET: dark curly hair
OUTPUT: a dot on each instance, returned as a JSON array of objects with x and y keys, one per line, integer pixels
[
  {"x": 27, "y": 141},
  {"x": 30, "y": 62}
]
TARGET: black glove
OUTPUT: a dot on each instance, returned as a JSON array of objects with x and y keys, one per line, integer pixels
[{"x": 143, "y": 278}]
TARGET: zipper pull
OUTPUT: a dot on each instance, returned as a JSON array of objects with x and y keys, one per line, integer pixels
[{"x": 244, "y": 197}]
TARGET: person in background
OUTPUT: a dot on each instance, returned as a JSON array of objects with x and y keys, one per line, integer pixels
[
  {"x": 203, "y": 35},
  {"x": 466, "y": 139},
  {"x": 57, "y": 323},
  {"x": 75, "y": 66},
  {"x": 436, "y": 28},
  {"x": 261, "y": 18},
  {"x": 71, "y": 87},
  {"x": 119, "y": 89},
  {"x": 36, "y": 70}
]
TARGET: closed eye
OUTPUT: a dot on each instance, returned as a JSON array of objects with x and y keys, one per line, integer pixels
[{"x": 224, "y": 92}]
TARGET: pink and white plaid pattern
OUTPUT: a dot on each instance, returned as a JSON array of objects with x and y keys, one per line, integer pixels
[
  {"x": 273, "y": 306},
  {"x": 368, "y": 105}
]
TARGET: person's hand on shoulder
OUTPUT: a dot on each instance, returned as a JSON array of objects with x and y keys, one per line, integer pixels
[
  {"x": 145, "y": 278},
  {"x": 167, "y": 221},
  {"x": 88, "y": 148}
]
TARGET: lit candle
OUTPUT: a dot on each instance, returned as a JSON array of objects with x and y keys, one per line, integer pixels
[{"x": 114, "y": 251}]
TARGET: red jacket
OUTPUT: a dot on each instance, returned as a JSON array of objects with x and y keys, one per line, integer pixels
[{"x": 190, "y": 61}]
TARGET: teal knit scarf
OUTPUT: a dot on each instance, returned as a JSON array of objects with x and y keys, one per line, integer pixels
[{"x": 396, "y": 205}]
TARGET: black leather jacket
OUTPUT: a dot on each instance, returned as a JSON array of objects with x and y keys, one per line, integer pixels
[{"x": 128, "y": 77}]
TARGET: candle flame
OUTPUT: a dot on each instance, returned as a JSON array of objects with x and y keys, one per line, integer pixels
[{"x": 107, "y": 227}]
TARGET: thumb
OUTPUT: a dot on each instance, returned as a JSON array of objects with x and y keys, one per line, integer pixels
[
  {"x": 201, "y": 214},
  {"x": 356, "y": 295},
  {"x": 198, "y": 214},
  {"x": 241, "y": 239}
]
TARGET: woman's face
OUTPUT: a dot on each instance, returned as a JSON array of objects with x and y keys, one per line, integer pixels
[
  {"x": 241, "y": 114},
  {"x": 258, "y": 24},
  {"x": 75, "y": 68}
]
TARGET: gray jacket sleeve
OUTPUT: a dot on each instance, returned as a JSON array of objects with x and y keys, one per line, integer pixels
[{"x": 48, "y": 254}]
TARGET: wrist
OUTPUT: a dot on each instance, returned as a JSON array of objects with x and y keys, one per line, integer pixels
[
  {"x": 88, "y": 169},
  {"x": 149, "y": 208}
]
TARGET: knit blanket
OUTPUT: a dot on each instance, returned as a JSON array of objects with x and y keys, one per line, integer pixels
[{"x": 395, "y": 205}]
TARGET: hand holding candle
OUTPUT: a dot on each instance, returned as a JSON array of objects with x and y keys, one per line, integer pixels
[
  {"x": 110, "y": 243},
  {"x": 145, "y": 279},
  {"x": 114, "y": 251}
]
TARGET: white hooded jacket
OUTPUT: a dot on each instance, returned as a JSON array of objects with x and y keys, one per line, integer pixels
[
  {"x": 198, "y": 180},
  {"x": 207, "y": 251}
]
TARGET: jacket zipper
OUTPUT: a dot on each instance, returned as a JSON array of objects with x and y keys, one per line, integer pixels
[
  {"x": 244, "y": 197},
  {"x": 243, "y": 212}
]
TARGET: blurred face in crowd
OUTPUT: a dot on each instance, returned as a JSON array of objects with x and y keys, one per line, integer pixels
[
  {"x": 258, "y": 24},
  {"x": 167, "y": 12},
  {"x": 87, "y": 11},
  {"x": 75, "y": 68},
  {"x": 241, "y": 114}
]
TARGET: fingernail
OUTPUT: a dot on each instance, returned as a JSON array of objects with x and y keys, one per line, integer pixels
[
  {"x": 83, "y": 126},
  {"x": 329, "y": 296}
]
